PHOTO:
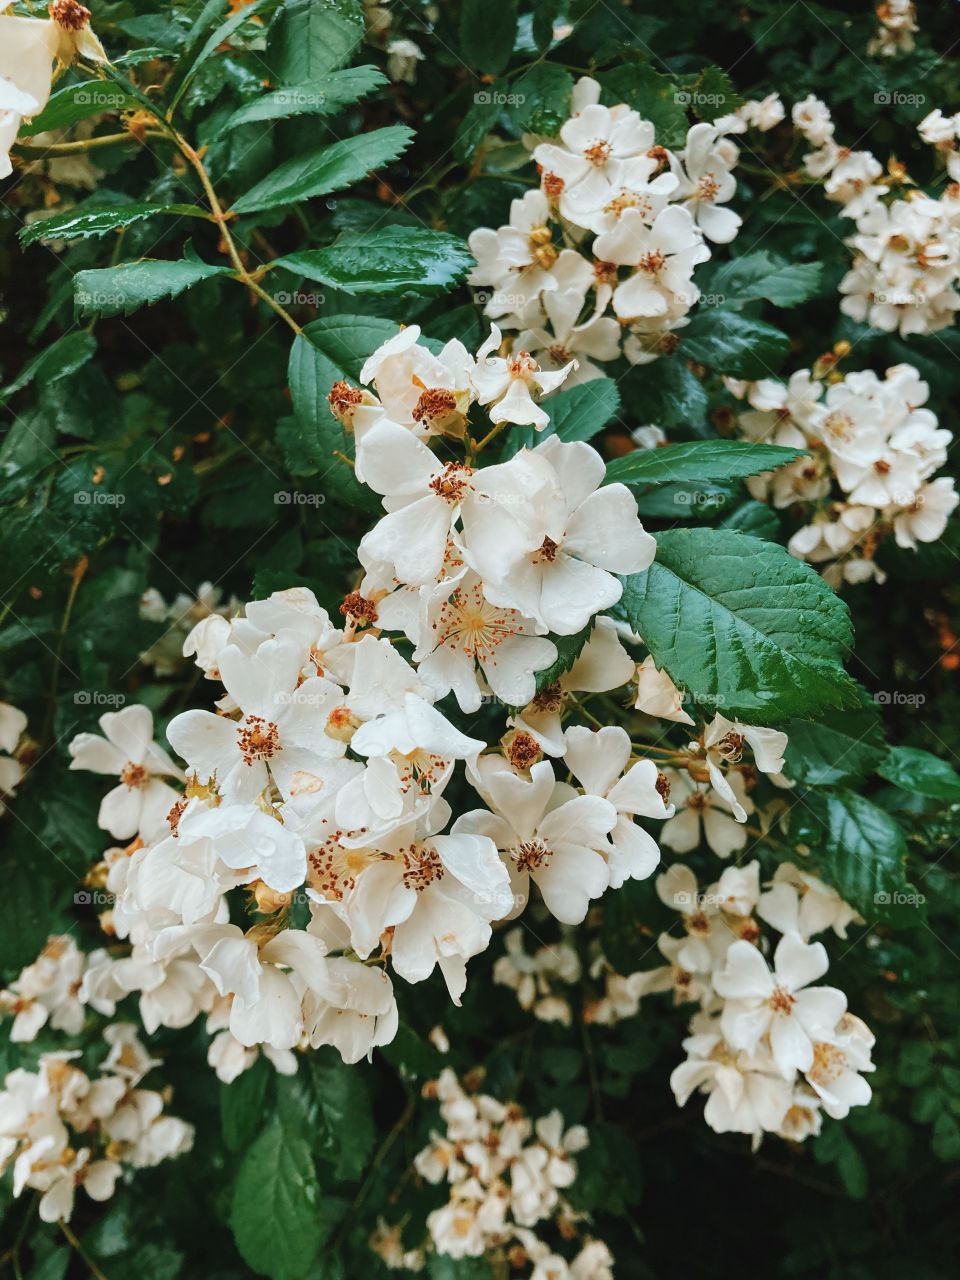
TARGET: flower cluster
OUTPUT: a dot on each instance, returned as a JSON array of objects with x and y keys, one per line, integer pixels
[
  {"x": 619, "y": 222},
  {"x": 320, "y": 782},
  {"x": 179, "y": 619},
  {"x": 62, "y": 1129},
  {"x": 897, "y": 21},
  {"x": 906, "y": 261},
  {"x": 871, "y": 449},
  {"x": 12, "y": 725},
  {"x": 505, "y": 1176},
  {"x": 767, "y": 1048},
  {"x": 28, "y": 49}
]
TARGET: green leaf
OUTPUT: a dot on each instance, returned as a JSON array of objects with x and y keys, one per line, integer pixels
[
  {"x": 403, "y": 261},
  {"x": 843, "y": 747},
  {"x": 921, "y": 772},
  {"x": 194, "y": 58},
  {"x": 734, "y": 344},
  {"x": 763, "y": 275},
  {"x": 753, "y": 517},
  {"x": 479, "y": 120},
  {"x": 348, "y": 1134},
  {"x": 320, "y": 97},
  {"x": 241, "y": 1105},
  {"x": 543, "y": 98},
  {"x": 712, "y": 94},
  {"x": 699, "y": 460},
  {"x": 329, "y": 169},
  {"x": 308, "y": 38},
  {"x": 77, "y": 102},
  {"x": 741, "y": 624},
  {"x": 578, "y": 413},
  {"x": 657, "y": 98},
  {"x": 487, "y": 37},
  {"x": 862, "y": 852},
  {"x": 64, "y": 357},
  {"x": 80, "y": 223},
  {"x": 120, "y": 290},
  {"x": 667, "y": 392},
  {"x": 29, "y": 904},
  {"x": 275, "y": 1213},
  {"x": 569, "y": 649}
]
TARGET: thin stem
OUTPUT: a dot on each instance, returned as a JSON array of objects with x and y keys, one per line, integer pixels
[
  {"x": 75, "y": 579},
  {"x": 488, "y": 437},
  {"x": 220, "y": 217},
  {"x": 381, "y": 1155},
  {"x": 75, "y": 1244},
  {"x": 86, "y": 144}
]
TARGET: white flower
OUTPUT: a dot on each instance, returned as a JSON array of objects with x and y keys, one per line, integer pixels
[
  {"x": 663, "y": 255},
  {"x": 509, "y": 387},
  {"x": 705, "y": 182},
  {"x": 764, "y": 113},
  {"x": 593, "y": 146},
  {"x": 516, "y": 260},
  {"x": 695, "y": 805},
  {"x": 547, "y": 833},
  {"x": 466, "y": 637},
  {"x": 798, "y": 902},
  {"x": 588, "y": 533},
  {"x": 428, "y": 393},
  {"x": 600, "y": 761},
  {"x": 745, "y": 1095},
  {"x": 142, "y": 801},
  {"x": 277, "y": 734},
  {"x": 777, "y": 1004},
  {"x": 12, "y": 724},
  {"x": 402, "y": 58},
  {"x": 837, "y": 1062},
  {"x": 657, "y": 695},
  {"x": 812, "y": 118}
]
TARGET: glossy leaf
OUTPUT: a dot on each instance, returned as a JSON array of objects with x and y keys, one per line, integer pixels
[
  {"x": 113, "y": 291},
  {"x": 406, "y": 261},
  {"x": 331, "y": 168},
  {"x": 82, "y": 223},
  {"x": 741, "y": 624},
  {"x": 699, "y": 460},
  {"x": 320, "y": 97}
]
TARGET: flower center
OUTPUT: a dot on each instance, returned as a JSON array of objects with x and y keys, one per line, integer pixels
[
  {"x": 828, "y": 1063},
  {"x": 258, "y": 739},
  {"x": 598, "y": 152},
  {"x": 69, "y": 15},
  {"x": 559, "y": 354},
  {"x": 334, "y": 869},
  {"x": 781, "y": 1001},
  {"x": 662, "y": 785},
  {"x": 553, "y": 185},
  {"x": 452, "y": 483},
  {"x": 134, "y": 775},
  {"x": 523, "y": 750},
  {"x": 421, "y": 867},
  {"x": 707, "y": 187},
  {"x": 547, "y": 552},
  {"x": 550, "y": 698},
  {"x": 522, "y": 365},
  {"x": 532, "y": 855},
  {"x": 652, "y": 262}
]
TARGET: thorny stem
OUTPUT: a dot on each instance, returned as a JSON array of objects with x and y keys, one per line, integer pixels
[{"x": 86, "y": 144}]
